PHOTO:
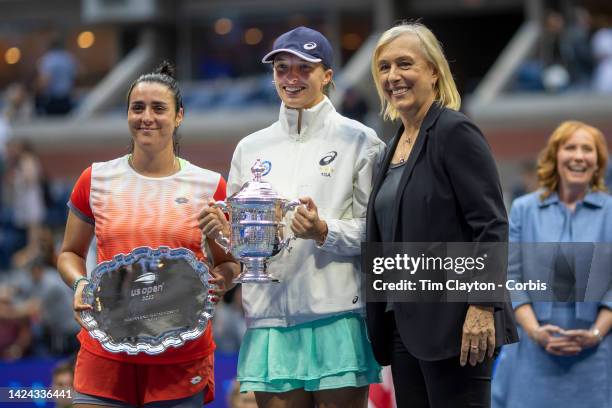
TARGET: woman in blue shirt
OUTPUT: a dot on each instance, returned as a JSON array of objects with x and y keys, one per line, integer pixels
[{"x": 564, "y": 357}]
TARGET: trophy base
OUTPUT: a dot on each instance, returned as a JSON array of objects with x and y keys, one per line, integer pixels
[{"x": 254, "y": 271}]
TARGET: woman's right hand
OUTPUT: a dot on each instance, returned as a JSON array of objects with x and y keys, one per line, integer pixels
[
  {"x": 543, "y": 334},
  {"x": 212, "y": 222},
  {"x": 77, "y": 303},
  {"x": 553, "y": 339}
]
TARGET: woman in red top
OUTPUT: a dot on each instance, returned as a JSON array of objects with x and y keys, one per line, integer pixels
[{"x": 150, "y": 198}]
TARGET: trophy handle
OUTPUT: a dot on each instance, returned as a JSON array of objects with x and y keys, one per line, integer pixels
[
  {"x": 223, "y": 241},
  {"x": 290, "y": 205},
  {"x": 285, "y": 243}
]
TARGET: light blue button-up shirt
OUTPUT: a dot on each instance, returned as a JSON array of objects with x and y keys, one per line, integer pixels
[{"x": 533, "y": 220}]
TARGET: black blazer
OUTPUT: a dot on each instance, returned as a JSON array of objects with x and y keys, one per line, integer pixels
[{"x": 449, "y": 192}]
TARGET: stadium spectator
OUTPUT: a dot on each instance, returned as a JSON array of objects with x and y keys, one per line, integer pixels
[
  {"x": 555, "y": 74},
  {"x": 306, "y": 343},
  {"x": 57, "y": 70},
  {"x": 47, "y": 245},
  {"x": 602, "y": 48},
  {"x": 236, "y": 399},
  {"x": 50, "y": 305},
  {"x": 563, "y": 358},
  {"x": 564, "y": 59},
  {"x": 18, "y": 106},
  {"x": 228, "y": 323},
  {"x": 61, "y": 381},
  {"x": 576, "y": 48},
  {"x": 528, "y": 180},
  {"x": 24, "y": 193},
  {"x": 437, "y": 183},
  {"x": 15, "y": 333},
  {"x": 354, "y": 105}
]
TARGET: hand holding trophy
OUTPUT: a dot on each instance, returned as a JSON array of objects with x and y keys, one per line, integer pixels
[{"x": 256, "y": 226}]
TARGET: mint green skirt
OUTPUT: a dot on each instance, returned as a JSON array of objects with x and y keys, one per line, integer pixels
[{"x": 324, "y": 354}]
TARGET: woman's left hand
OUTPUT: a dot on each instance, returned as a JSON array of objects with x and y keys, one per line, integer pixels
[
  {"x": 306, "y": 223},
  {"x": 212, "y": 222},
  {"x": 584, "y": 338},
  {"x": 478, "y": 335}
]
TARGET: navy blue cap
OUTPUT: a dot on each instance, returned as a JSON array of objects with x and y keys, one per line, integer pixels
[{"x": 305, "y": 43}]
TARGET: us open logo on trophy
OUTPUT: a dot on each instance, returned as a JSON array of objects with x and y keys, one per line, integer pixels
[
  {"x": 256, "y": 216},
  {"x": 148, "y": 300}
]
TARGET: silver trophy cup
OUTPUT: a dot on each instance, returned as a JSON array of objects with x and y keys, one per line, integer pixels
[{"x": 256, "y": 216}]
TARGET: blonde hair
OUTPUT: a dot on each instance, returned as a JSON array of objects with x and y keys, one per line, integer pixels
[
  {"x": 548, "y": 177},
  {"x": 445, "y": 88}
]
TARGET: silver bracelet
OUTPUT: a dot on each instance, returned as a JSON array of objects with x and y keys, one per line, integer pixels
[{"x": 76, "y": 282}]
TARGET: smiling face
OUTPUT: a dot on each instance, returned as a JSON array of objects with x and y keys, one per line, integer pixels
[
  {"x": 577, "y": 161},
  {"x": 299, "y": 83},
  {"x": 152, "y": 116},
  {"x": 405, "y": 76}
]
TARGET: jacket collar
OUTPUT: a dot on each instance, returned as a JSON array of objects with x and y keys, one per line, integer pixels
[
  {"x": 313, "y": 119},
  {"x": 591, "y": 199},
  {"x": 432, "y": 115}
]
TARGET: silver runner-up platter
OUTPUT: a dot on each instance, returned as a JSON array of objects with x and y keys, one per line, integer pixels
[
  {"x": 148, "y": 300},
  {"x": 257, "y": 227}
]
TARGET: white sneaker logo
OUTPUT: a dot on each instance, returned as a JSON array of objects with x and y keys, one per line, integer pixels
[
  {"x": 310, "y": 46},
  {"x": 195, "y": 380}
]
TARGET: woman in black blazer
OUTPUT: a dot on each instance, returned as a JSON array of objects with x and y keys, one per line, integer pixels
[{"x": 437, "y": 183}]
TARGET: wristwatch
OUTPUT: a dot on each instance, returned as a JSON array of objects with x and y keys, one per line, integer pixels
[{"x": 597, "y": 334}]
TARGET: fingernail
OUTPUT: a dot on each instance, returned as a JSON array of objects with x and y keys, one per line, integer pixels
[
  {"x": 214, "y": 299},
  {"x": 212, "y": 292}
]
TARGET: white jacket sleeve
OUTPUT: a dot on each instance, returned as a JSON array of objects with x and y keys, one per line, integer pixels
[
  {"x": 344, "y": 236},
  {"x": 234, "y": 178}
]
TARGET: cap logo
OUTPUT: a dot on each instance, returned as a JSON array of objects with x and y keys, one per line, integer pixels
[{"x": 310, "y": 46}]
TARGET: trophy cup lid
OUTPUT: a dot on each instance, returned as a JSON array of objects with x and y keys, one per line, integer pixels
[{"x": 257, "y": 189}]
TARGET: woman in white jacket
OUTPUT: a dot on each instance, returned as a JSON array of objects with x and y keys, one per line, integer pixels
[{"x": 306, "y": 342}]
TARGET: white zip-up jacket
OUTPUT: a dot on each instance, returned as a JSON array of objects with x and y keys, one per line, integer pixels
[{"x": 331, "y": 160}]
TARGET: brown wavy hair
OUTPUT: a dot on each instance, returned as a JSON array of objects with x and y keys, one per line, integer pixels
[{"x": 548, "y": 177}]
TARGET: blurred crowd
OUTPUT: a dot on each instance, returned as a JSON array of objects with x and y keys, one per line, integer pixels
[
  {"x": 35, "y": 304},
  {"x": 573, "y": 55},
  {"x": 49, "y": 91}
]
